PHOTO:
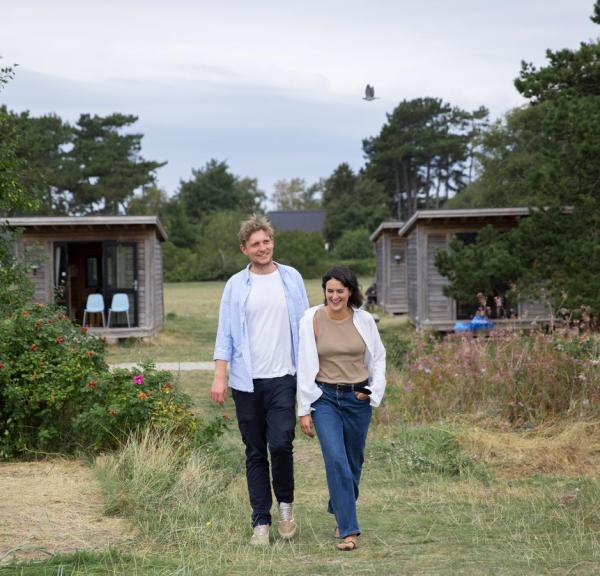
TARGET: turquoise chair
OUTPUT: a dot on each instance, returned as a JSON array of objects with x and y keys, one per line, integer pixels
[
  {"x": 94, "y": 305},
  {"x": 119, "y": 304}
]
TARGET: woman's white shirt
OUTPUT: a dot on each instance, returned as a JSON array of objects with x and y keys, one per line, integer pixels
[{"x": 308, "y": 359}]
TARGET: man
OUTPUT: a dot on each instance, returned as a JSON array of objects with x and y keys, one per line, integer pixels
[{"x": 257, "y": 336}]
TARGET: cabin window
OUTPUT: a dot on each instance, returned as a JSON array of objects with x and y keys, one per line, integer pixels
[{"x": 92, "y": 277}]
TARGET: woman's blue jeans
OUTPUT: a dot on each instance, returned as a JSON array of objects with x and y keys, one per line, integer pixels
[{"x": 342, "y": 421}]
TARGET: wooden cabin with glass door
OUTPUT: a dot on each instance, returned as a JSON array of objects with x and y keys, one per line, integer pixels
[{"x": 73, "y": 257}]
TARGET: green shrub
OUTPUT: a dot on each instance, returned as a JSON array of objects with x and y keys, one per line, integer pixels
[
  {"x": 57, "y": 393},
  {"x": 353, "y": 245},
  {"x": 303, "y": 250},
  {"x": 45, "y": 360}
]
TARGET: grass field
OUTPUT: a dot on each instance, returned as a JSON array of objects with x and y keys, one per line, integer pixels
[{"x": 433, "y": 500}]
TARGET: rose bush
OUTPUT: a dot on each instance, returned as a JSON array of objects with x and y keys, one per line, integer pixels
[{"x": 58, "y": 395}]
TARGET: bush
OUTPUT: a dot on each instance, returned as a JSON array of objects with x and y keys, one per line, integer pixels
[
  {"x": 57, "y": 394},
  {"x": 522, "y": 378},
  {"x": 353, "y": 245},
  {"x": 45, "y": 359},
  {"x": 303, "y": 250}
]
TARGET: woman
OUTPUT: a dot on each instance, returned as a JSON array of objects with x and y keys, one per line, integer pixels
[{"x": 341, "y": 375}]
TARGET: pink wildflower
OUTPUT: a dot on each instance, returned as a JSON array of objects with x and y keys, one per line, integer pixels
[{"x": 138, "y": 379}]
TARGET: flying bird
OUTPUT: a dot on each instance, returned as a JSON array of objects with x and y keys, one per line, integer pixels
[{"x": 369, "y": 93}]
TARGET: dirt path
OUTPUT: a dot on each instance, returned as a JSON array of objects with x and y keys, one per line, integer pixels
[{"x": 50, "y": 507}]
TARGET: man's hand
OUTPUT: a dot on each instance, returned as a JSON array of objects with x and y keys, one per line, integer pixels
[
  {"x": 306, "y": 425},
  {"x": 218, "y": 390}
]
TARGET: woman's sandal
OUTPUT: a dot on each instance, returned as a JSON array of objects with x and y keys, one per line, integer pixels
[{"x": 348, "y": 543}]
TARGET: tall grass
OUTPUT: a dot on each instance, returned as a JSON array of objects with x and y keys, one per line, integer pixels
[
  {"x": 175, "y": 495},
  {"x": 521, "y": 378}
]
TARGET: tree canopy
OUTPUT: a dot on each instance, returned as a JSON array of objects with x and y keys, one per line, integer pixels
[
  {"x": 295, "y": 194},
  {"x": 105, "y": 167},
  {"x": 422, "y": 156}
]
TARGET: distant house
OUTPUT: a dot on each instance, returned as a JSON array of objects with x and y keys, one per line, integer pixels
[
  {"x": 304, "y": 220},
  {"x": 422, "y": 236},
  {"x": 390, "y": 258},
  {"x": 73, "y": 257}
]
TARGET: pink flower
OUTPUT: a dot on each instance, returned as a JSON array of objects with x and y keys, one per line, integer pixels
[{"x": 138, "y": 379}]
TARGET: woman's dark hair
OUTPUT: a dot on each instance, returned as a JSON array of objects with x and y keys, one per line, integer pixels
[{"x": 344, "y": 275}]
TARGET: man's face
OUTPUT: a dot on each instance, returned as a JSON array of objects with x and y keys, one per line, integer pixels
[{"x": 259, "y": 249}]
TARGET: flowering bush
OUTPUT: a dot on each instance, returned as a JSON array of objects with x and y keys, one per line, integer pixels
[
  {"x": 57, "y": 393},
  {"x": 119, "y": 402},
  {"x": 523, "y": 378}
]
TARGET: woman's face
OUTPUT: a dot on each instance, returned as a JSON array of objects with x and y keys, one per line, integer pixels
[{"x": 336, "y": 295}]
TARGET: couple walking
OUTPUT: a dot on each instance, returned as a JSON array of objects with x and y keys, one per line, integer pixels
[{"x": 328, "y": 358}]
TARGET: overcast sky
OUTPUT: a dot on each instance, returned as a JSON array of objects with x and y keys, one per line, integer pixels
[{"x": 273, "y": 87}]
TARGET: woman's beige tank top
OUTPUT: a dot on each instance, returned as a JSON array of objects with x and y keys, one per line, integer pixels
[{"x": 341, "y": 350}]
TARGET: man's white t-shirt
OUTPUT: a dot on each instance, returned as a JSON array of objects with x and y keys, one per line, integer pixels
[{"x": 269, "y": 331}]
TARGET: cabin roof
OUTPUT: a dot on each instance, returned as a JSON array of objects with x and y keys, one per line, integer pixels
[
  {"x": 305, "y": 220},
  {"x": 470, "y": 214},
  {"x": 389, "y": 225},
  {"x": 61, "y": 222}
]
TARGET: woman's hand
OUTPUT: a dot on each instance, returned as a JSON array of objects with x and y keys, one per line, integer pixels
[
  {"x": 306, "y": 425},
  {"x": 361, "y": 395}
]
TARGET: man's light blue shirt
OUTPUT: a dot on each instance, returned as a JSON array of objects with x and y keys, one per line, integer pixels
[{"x": 232, "y": 343}]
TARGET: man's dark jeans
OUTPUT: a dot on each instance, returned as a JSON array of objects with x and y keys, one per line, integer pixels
[{"x": 266, "y": 418}]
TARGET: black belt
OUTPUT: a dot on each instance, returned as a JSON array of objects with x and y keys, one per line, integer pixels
[{"x": 345, "y": 387}]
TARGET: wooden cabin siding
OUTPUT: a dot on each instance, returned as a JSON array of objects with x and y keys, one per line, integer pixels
[
  {"x": 439, "y": 307},
  {"x": 36, "y": 252},
  {"x": 159, "y": 300},
  {"x": 412, "y": 282},
  {"x": 380, "y": 270},
  {"x": 142, "y": 296},
  {"x": 397, "y": 300}
]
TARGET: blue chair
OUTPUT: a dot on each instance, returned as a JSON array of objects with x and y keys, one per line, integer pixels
[
  {"x": 94, "y": 305},
  {"x": 119, "y": 304}
]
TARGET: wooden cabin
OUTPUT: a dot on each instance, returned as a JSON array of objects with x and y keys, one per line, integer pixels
[
  {"x": 73, "y": 257},
  {"x": 390, "y": 258},
  {"x": 426, "y": 233}
]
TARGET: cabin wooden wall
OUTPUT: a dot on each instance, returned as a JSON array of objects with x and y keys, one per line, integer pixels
[
  {"x": 412, "y": 276},
  {"x": 391, "y": 275}
]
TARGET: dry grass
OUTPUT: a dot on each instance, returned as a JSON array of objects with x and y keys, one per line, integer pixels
[
  {"x": 562, "y": 448},
  {"x": 53, "y": 507}
]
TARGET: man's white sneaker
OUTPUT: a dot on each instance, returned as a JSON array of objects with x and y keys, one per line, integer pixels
[
  {"x": 286, "y": 525},
  {"x": 260, "y": 535}
]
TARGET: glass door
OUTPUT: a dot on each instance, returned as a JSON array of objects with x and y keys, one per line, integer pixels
[{"x": 120, "y": 276}]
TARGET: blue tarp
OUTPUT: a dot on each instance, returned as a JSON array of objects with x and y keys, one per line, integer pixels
[{"x": 477, "y": 323}]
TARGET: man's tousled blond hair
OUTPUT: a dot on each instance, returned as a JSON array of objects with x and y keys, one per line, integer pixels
[{"x": 255, "y": 224}]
